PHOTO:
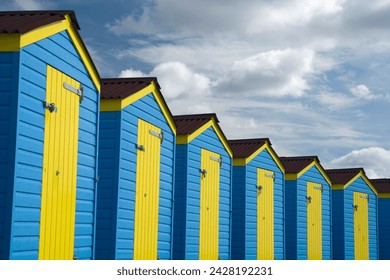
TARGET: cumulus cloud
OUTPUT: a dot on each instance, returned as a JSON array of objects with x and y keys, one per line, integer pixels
[
  {"x": 176, "y": 80},
  {"x": 274, "y": 73},
  {"x": 131, "y": 73},
  {"x": 256, "y": 60},
  {"x": 362, "y": 91},
  {"x": 374, "y": 160}
]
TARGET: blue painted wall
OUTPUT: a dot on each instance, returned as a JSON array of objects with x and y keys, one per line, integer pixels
[
  {"x": 244, "y": 232},
  {"x": 345, "y": 238},
  {"x": 9, "y": 71},
  {"x": 59, "y": 52},
  {"x": 296, "y": 232},
  {"x": 338, "y": 220},
  {"x": 291, "y": 219},
  {"x": 384, "y": 228},
  {"x": 117, "y": 171},
  {"x": 109, "y": 137},
  {"x": 187, "y": 197},
  {"x": 239, "y": 214}
]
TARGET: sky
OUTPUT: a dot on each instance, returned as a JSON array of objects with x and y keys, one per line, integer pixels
[{"x": 313, "y": 76}]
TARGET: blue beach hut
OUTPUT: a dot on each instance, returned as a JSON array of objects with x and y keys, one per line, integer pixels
[
  {"x": 203, "y": 178},
  {"x": 258, "y": 222},
  {"x": 382, "y": 187},
  {"x": 49, "y": 116},
  {"x": 308, "y": 209},
  {"x": 136, "y": 171},
  {"x": 354, "y": 206}
]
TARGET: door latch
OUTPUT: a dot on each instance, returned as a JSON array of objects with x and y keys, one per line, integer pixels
[
  {"x": 140, "y": 147},
  {"x": 50, "y": 106}
]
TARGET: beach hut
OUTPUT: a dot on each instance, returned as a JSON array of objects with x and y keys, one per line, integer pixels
[
  {"x": 257, "y": 201},
  {"x": 308, "y": 211},
  {"x": 203, "y": 179},
  {"x": 49, "y": 112},
  {"x": 382, "y": 187},
  {"x": 354, "y": 206},
  {"x": 136, "y": 171}
]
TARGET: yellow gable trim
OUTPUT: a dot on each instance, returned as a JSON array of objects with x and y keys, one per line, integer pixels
[
  {"x": 110, "y": 105},
  {"x": 14, "y": 42},
  {"x": 185, "y": 139},
  {"x": 384, "y": 195},
  {"x": 360, "y": 174},
  {"x": 295, "y": 176},
  {"x": 266, "y": 146},
  {"x": 82, "y": 50}
]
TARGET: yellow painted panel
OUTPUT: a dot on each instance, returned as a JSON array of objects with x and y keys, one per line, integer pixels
[
  {"x": 209, "y": 205},
  {"x": 9, "y": 42},
  {"x": 265, "y": 214},
  {"x": 58, "y": 202},
  {"x": 147, "y": 191},
  {"x": 314, "y": 221},
  {"x": 360, "y": 221}
]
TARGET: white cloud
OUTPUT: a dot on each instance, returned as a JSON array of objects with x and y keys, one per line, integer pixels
[
  {"x": 273, "y": 73},
  {"x": 234, "y": 57},
  {"x": 334, "y": 100},
  {"x": 33, "y": 4},
  {"x": 26, "y": 5},
  {"x": 131, "y": 73},
  {"x": 374, "y": 160},
  {"x": 176, "y": 80},
  {"x": 363, "y": 92}
]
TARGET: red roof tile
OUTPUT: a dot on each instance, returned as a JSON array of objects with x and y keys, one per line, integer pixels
[
  {"x": 120, "y": 88},
  {"x": 187, "y": 124},
  {"x": 24, "y": 21},
  {"x": 244, "y": 148},
  {"x": 381, "y": 185},
  {"x": 343, "y": 176},
  {"x": 297, "y": 164}
]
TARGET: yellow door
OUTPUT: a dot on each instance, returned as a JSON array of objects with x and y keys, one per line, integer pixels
[
  {"x": 209, "y": 205},
  {"x": 58, "y": 201},
  {"x": 314, "y": 221},
  {"x": 147, "y": 191},
  {"x": 360, "y": 221},
  {"x": 265, "y": 214}
]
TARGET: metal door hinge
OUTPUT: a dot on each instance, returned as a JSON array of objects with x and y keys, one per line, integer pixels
[
  {"x": 319, "y": 187},
  {"x": 79, "y": 92},
  {"x": 308, "y": 199},
  {"x": 203, "y": 172},
  {"x": 217, "y": 159},
  {"x": 50, "y": 106},
  {"x": 355, "y": 206},
  {"x": 158, "y": 135}
]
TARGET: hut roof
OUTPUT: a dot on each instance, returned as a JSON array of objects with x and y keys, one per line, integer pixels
[{"x": 21, "y": 22}]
